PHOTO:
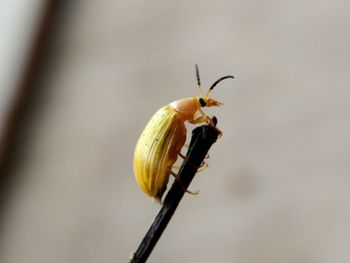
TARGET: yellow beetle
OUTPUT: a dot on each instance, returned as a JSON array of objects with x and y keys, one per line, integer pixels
[{"x": 164, "y": 136}]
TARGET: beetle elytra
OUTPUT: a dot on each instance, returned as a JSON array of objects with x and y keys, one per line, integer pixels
[{"x": 164, "y": 136}]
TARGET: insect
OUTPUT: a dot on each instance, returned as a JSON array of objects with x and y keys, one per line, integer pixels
[{"x": 164, "y": 136}]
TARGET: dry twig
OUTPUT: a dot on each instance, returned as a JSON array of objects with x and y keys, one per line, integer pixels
[{"x": 203, "y": 138}]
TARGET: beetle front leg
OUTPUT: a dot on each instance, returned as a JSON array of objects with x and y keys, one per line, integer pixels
[{"x": 207, "y": 119}]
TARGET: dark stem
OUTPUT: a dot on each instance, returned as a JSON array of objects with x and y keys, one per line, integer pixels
[{"x": 203, "y": 138}]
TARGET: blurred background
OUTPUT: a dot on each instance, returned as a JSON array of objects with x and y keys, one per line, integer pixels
[{"x": 79, "y": 81}]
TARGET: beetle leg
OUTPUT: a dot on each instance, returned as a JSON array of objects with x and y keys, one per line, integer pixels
[
  {"x": 176, "y": 166},
  {"x": 158, "y": 197},
  {"x": 157, "y": 200},
  {"x": 203, "y": 164},
  {"x": 177, "y": 178},
  {"x": 202, "y": 167},
  {"x": 207, "y": 119},
  {"x": 201, "y": 119},
  {"x": 187, "y": 160},
  {"x": 183, "y": 156}
]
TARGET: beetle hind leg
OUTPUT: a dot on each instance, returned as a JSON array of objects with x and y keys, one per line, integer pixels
[
  {"x": 177, "y": 178},
  {"x": 158, "y": 197},
  {"x": 202, "y": 167},
  {"x": 176, "y": 166},
  {"x": 183, "y": 156}
]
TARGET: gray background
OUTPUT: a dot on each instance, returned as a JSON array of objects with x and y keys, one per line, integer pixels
[{"x": 277, "y": 186}]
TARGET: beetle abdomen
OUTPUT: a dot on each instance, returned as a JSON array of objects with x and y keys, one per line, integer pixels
[{"x": 157, "y": 150}]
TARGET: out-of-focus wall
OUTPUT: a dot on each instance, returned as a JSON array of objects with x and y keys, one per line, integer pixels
[{"x": 276, "y": 189}]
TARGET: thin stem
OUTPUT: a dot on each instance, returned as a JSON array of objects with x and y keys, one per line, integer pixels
[{"x": 203, "y": 138}]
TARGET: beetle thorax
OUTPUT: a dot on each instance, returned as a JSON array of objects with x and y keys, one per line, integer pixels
[{"x": 186, "y": 107}]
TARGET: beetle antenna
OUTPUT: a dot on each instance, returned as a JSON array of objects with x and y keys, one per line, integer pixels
[
  {"x": 199, "y": 81},
  {"x": 216, "y": 83}
]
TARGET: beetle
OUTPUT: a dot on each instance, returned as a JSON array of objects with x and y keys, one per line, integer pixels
[{"x": 161, "y": 141}]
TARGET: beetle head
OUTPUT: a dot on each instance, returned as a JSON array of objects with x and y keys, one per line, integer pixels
[
  {"x": 205, "y": 100},
  {"x": 208, "y": 102}
]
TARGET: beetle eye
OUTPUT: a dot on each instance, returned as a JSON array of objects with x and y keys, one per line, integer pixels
[{"x": 202, "y": 102}]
